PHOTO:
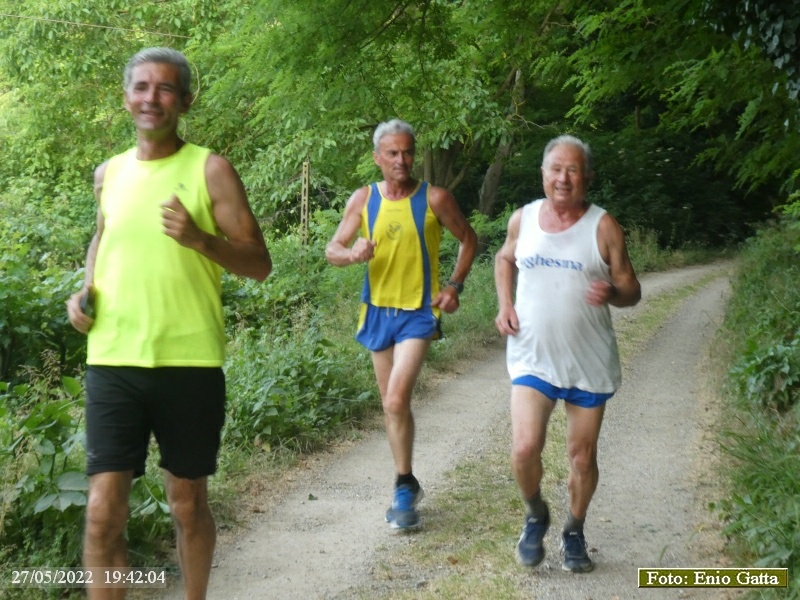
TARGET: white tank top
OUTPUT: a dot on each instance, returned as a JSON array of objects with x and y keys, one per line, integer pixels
[{"x": 562, "y": 339}]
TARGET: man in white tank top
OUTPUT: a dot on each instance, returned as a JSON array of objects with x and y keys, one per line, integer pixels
[{"x": 570, "y": 262}]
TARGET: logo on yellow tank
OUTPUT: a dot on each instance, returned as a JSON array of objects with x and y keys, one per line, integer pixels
[{"x": 394, "y": 230}]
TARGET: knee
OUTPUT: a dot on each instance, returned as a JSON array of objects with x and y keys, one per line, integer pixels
[
  {"x": 105, "y": 518},
  {"x": 396, "y": 406},
  {"x": 525, "y": 450},
  {"x": 583, "y": 458},
  {"x": 189, "y": 509}
]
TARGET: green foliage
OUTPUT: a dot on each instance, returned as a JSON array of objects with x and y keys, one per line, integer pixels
[
  {"x": 289, "y": 390},
  {"x": 768, "y": 370},
  {"x": 472, "y": 325},
  {"x": 43, "y": 486},
  {"x": 773, "y": 27},
  {"x": 659, "y": 61},
  {"x": 763, "y": 327},
  {"x": 791, "y": 213},
  {"x": 491, "y": 231},
  {"x": 315, "y": 92},
  {"x": 764, "y": 512},
  {"x": 33, "y": 288},
  {"x": 754, "y": 131},
  {"x": 149, "y": 525},
  {"x": 644, "y": 250},
  {"x": 770, "y": 376},
  {"x": 42, "y": 492},
  {"x": 635, "y": 181}
]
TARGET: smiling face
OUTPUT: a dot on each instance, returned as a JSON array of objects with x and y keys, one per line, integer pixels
[
  {"x": 154, "y": 100},
  {"x": 395, "y": 157},
  {"x": 564, "y": 175}
]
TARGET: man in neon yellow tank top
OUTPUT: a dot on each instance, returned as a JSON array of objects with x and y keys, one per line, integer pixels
[
  {"x": 400, "y": 220},
  {"x": 170, "y": 217}
]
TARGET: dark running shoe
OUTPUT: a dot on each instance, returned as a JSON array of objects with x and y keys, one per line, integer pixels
[
  {"x": 402, "y": 514},
  {"x": 530, "y": 550},
  {"x": 573, "y": 549}
]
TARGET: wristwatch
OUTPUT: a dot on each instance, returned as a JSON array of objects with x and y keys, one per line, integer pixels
[{"x": 459, "y": 286}]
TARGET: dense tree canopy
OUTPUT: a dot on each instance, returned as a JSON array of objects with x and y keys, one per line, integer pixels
[{"x": 685, "y": 120}]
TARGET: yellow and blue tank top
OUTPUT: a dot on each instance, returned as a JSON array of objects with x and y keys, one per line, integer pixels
[
  {"x": 404, "y": 272},
  {"x": 157, "y": 303}
]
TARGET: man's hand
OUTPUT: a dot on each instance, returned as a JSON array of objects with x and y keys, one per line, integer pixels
[
  {"x": 179, "y": 225},
  {"x": 447, "y": 299},
  {"x": 362, "y": 251},
  {"x": 77, "y": 317},
  {"x": 507, "y": 322},
  {"x": 600, "y": 292}
]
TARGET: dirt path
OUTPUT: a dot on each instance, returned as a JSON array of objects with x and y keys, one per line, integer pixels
[{"x": 321, "y": 539}]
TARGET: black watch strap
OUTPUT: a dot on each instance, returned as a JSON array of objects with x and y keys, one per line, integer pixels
[{"x": 459, "y": 286}]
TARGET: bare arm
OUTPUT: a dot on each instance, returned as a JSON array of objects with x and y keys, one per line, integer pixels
[
  {"x": 77, "y": 317},
  {"x": 242, "y": 251},
  {"x": 505, "y": 269},
  {"x": 624, "y": 289},
  {"x": 446, "y": 209},
  {"x": 339, "y": 252}
]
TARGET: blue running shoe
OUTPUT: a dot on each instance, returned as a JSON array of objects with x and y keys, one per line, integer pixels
[
  {"x": 573, "y": 549},
  {"x": 403, "y": 512},
  {"x": 530, "y": 550}
]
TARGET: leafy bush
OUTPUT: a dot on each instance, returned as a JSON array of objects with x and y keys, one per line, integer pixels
[
  {"x": 764, "y": 512},
  {"x": 34, "y": 284},
  {"x": 289, "y": 390},
  {"x": 43, "y": 490},
  {"x": 769, "y": 376},
  {"x": 763, "y": 329},
  {"x": 767, "y": 372},
  {"x": 43, "y": 485}
]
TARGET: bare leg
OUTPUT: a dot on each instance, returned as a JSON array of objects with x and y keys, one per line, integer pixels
[
  {"x": 530, "y": 413},
  {"x": 104, "y": 543},
  {"x": 583, "y": 430},
  {"x": 396, "y": 370},
  {"x": 195, "y": 530}
]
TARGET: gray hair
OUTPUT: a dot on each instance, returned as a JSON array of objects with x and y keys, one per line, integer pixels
[
  {"x": 393, "y": 127},
  {"x": 162, "y": 56},
  {"x": 572, "y": 141}
]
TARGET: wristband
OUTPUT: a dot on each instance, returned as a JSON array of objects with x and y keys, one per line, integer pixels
[{"x": 458, "y": 286}]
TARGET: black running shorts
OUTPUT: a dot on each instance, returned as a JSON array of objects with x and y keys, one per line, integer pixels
[{"x": 184, "y": 407}]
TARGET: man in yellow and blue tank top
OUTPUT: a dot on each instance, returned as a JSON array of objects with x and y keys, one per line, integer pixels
[
  {"x": 170, "y": 217},
  {"x": 400, "y": 222}
]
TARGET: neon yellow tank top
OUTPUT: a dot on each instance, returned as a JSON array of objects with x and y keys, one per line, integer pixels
[{"x": 157, "y": 303}]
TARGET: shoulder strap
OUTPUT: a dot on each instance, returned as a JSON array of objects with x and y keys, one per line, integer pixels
[{"x": 373, "y": 206}]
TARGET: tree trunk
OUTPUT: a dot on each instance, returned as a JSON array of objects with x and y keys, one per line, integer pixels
[
  {"x": 491, "y": 180},
  {"x": 439, "y": 165},
  {"x": 487, "y": 197}
]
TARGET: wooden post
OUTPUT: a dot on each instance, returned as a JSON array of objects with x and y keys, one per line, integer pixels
[{"x": 304, "y": 205}]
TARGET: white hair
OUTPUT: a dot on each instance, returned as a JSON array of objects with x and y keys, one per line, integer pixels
[
  {"x": 572, "y": 141},
  {"x": 393, "y": 127}
]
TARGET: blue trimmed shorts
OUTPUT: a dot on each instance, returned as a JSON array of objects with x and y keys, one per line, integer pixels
[
  {"x": 379, "y": 327},
  {"x": 574, "y": 396}
]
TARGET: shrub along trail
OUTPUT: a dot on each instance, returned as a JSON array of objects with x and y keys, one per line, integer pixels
[{"x": 326, "y": 536}]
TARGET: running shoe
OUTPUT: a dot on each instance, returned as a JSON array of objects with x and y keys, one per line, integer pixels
[
  {"x": 573, "y": 549},
  {"x": 530, "y": 549},
  {"x": 402, "y": 514}
]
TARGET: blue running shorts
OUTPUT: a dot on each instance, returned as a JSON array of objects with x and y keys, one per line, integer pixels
[
  {"x": 380, "y": 328},
  {"x": 572, "y": 395}
]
